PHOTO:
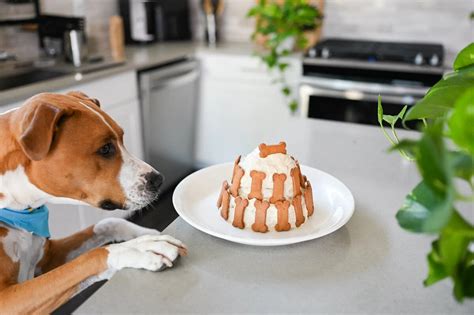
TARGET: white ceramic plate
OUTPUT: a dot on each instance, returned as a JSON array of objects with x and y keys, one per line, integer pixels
[{"x": 195, "y": 200}]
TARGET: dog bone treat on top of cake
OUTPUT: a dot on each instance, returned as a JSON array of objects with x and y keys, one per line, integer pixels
[{"x": 267, "y": 192}]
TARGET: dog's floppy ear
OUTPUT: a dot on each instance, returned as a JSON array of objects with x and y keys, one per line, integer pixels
[
  {"x": 82, "y": 96},
  {"x": 38, "y": 127}
]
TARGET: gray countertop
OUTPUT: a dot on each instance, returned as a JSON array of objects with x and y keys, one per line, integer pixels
[
  {"x": 138, "y": 58},
  {"x": 369, "y": 266}
]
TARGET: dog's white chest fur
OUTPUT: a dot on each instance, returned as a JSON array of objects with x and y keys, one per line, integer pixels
[{"x": 25, "y": 248}]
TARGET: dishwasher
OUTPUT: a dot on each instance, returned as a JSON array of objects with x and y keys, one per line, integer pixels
[{"x": 169, "y": 99}]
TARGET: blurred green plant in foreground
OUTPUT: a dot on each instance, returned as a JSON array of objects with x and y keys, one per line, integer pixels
[{"x": 444, "y": 155}]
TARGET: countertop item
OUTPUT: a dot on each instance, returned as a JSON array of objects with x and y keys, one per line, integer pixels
[
  {"x": 195, "y": 201},
  {"x": 370, "y": 265},
  {"x": 117, "y": 38}
]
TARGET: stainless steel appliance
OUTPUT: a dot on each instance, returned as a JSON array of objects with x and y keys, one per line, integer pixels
[
  {"x": 75, "y": 47},
  {"x": 169, "y": 97},
  {"x": 342, "y": 79},
  {"x": 60, "y": 35},
  {"x": 149, "y": 21}
]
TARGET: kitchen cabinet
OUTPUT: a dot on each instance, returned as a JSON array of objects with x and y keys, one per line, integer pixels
[
  {"x": 239, "y": 105},
  {"x": 118, "y": 96}
]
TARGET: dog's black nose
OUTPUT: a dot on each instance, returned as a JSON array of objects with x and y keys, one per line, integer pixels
[{"x": 154, "y": 181}]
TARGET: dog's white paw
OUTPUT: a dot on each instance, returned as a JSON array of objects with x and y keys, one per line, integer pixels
[
  {"x": 118, "y": 230},
  {"x": 150, "y": 252}
]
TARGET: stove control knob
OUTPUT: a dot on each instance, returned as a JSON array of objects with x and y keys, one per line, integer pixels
[
  {"x": 418, "y": 59},
  {"x": 325, "y": 53},
  {"x": 434, "y": 60},
  {"x": 312, "y": 53}
]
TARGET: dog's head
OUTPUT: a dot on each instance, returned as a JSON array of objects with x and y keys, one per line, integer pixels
[{"x": 74, "y": 150}]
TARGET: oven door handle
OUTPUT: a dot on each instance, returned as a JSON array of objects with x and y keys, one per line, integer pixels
[
  {"x": 365, "y": 87},
  {"x": 307, "y": 90}
]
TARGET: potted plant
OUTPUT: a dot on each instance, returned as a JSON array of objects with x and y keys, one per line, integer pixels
[
  {"x": 283, "y": 26},
  {"x": 444, "y": 154}
]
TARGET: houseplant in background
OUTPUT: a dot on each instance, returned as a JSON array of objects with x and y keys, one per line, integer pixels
[
  {"x": 444, "y": 155},
  {"x": 282, "y": 26}
]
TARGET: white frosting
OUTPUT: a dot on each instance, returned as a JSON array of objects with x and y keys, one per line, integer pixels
[
  {"x": 272, "y": 214},
  {"x": 274, "y": 163}
]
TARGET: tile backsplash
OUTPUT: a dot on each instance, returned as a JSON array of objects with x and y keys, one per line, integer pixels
[{"x": 441, "y": 21}]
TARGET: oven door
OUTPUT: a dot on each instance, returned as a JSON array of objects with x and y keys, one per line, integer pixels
[{"x": 356, "y": 102}]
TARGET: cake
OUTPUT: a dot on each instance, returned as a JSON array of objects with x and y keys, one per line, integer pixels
[{"x": 267, "y": 192}]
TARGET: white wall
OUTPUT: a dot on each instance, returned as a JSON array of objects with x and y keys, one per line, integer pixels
[{"x": 445, "y": 21}]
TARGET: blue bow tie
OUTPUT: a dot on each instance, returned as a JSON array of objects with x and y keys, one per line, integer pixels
[{"x": 31, "y": 220}]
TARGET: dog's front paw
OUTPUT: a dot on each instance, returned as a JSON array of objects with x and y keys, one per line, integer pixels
[
  {"x": 150, "y": 252},
  {"x": 119, "y": 230}
]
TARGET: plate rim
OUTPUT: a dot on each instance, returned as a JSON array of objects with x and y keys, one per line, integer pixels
[{"x": 266, "y": 242}]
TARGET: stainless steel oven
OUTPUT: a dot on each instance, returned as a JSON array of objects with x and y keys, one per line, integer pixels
[
  {"x": 350, "y": 101},
  {"x": 342, "y": 79}
]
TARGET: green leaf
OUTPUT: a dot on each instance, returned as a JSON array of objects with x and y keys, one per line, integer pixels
[
  {"x": 465, "y": 57},
  {"x": 442, "y": 97},
  {"x": 461, "y": 122},
  {"x": 253, "y": 11},
  {"x": 271, "y": 10},
  {"x": 432, "y": 160},
  {"x": 286, "y": 91},
  {"x": 453, "y": 242},
  {"x": 409, "y": 146},
  {"x": 390, "y": 119},
  {"x": 380, "y": 111},
  {"x": 453, "y": 250},
  {"x": 401, "y": 114},
  {"x": 282, "y": 66},
  {"x": 293, "y": 106},
  {"x": 450, "y": 257},
  {"x": 462, "y": 164},
  {"x": 467, "y": 275},
  {"x": 436, "y": 270},
  {"x": 424, "y": 210}
]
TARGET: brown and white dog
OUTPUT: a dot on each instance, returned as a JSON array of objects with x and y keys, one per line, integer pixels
[{"x": 63, "y": 148}]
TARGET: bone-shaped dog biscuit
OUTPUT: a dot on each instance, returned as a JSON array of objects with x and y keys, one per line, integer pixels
[
  {"x": 236, "y": 163},
  {"x": 240, "y": 205},
  {"x": 224, "y": 188},
  {"x": 298, "y": 211},
  {"x": 238, "y": 173},
  {"x": 295, "y": 175},
  {"x": 278, "y": 188},
  {"x": 256, "y": 188},
  {"x": 308, "y": 198},
  {"x": 282, "y": 216},
  {"x": 302, "y": 178},
  {"x": 260, "y": 216},
  {"x": 225, "y": 205},
  {"x": 266, "y": 150}
]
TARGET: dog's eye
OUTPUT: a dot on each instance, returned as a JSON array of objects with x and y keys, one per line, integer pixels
[{"x": 107, "y": 151}]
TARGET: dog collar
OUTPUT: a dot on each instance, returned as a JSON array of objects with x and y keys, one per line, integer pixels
[{"x": 32, "y": 220}]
